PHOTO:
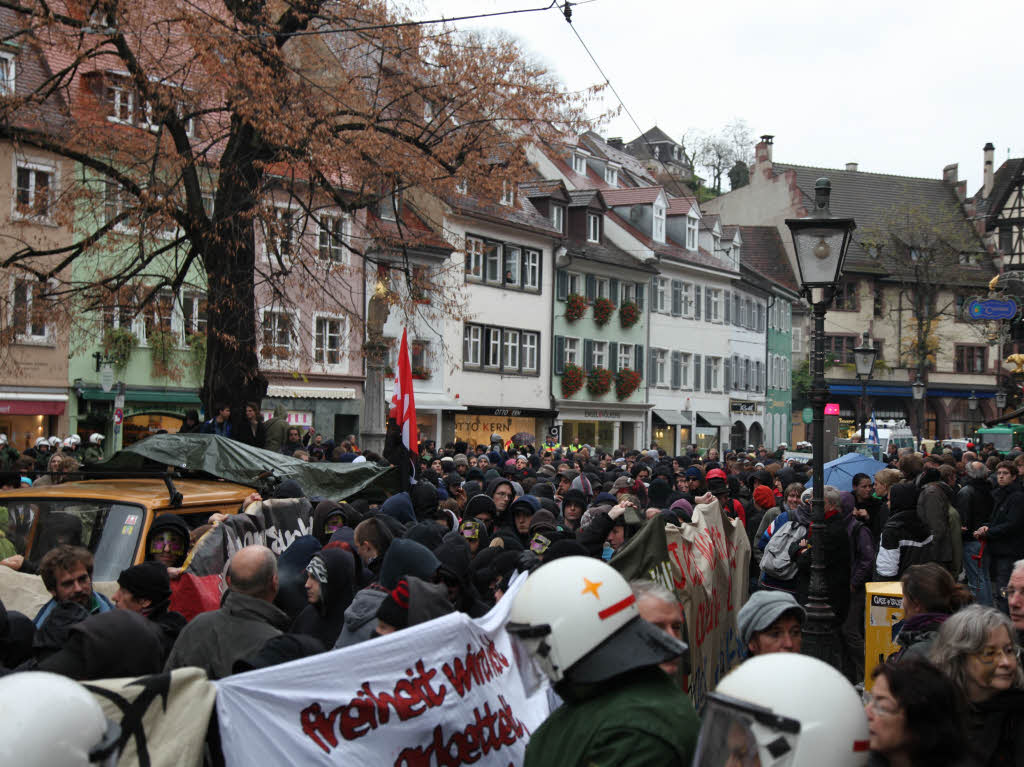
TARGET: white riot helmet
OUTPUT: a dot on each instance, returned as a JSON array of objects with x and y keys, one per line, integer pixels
[
  {"x": 68, "y": 444},
  {"x": 577, "y": 616},
  {"x": 82, "y": 736},
  {"x": 76, "y": 439},
  {"x": 3, "y": 439},
  {"x": 96, "y": 438},
  {"x": 54, "y": 442},
  {"x": 42, "y": 441},
  {"x": 783, "y": 710}
]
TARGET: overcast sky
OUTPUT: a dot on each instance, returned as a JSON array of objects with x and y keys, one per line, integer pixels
[{"x": 903, "y": 88}]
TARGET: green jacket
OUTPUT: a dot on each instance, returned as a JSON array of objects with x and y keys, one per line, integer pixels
[{"x": 639, "y": 718}]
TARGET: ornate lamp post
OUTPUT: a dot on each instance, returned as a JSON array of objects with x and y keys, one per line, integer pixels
[
  {"x": 919, "y": 390},
  {"x": 820, "y": 241},
  {"x": 1000, "y": 400},
  {"x": 972, "y": 407},
  {"x": 864, "y": 360}
]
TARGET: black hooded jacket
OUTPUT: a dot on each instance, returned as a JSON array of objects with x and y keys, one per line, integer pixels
[
  {"x": 457, "y": 574},
  {"x": 113, "y": 644},
  {"x": 324, "y": 620},
  {"x": 169, "y": 522}
]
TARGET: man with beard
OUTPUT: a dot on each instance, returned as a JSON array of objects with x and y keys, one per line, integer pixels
[{"x": 67, "y": 575}]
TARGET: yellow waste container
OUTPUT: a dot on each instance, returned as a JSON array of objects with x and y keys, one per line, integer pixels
[{"x": 884, "y": 609}]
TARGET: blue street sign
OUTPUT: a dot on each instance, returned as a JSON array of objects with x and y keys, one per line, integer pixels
[{"x": 991, "y": 309}]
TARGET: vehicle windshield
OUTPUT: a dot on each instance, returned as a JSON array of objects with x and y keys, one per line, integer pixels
[
  {"x": 109, "y": 530},
  {"x": 1002, "y": 442}
]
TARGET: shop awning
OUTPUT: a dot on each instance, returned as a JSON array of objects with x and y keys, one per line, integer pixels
[
  {"x": 31, "y": 403},
  {"x": 712, "y": 419},
  {"x": 178, "y": 396},
  {"x": 431, "y": 401},
  {"x": 673, "y": 417},
  {"x": 310, "y": 392}
]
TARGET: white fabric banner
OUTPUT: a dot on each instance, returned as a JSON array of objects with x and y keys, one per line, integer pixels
[{"x": 450, "y": 691}]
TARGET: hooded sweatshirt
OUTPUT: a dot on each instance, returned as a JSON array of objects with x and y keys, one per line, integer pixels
[
  {"x": 119, "y": 643},
  {"x": 455, "y": 567},
  {"x": 399, "y": 507},
  {"x": 403, "y": 558},
  {"x": 424, "y": 500},
  {"x": 276, "y": 429},
  {"x": 291, "y": 574},
  {"x": 324, "y": 620}
]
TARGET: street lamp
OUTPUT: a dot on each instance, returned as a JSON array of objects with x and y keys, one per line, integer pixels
[
  {"x": 820, "y": 241},
  {"x": 864, "y": 360},
  {"x": 918, "y": 388},
  {"x": 972, "y": 407},
  {"x": 1000, "y": 400}
]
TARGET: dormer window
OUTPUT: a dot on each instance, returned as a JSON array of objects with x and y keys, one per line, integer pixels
[
  {"x": 716, "y": 242},
  {"x": 462, "y": 187},
  {"x": 7, "y": 69},
  {"x": 579, "y": 164},
  {"x": 558, "y": 217},
  {"x": 659, "y": 222},
  {"x": 508, "y": 194},
  {"x": 611, "y": 176},
  {"x": 691, "y": 232},
  {"x": 593, "y": 227}
]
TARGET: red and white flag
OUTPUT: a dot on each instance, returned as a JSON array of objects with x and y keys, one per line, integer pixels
[{"x": 403, "y": 404}]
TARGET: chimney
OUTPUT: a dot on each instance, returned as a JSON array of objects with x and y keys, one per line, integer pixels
[
  {"x": 950, "y": 174},
  {"x": 763, "y": 151},
  {"x": 852, "y": 167},
  {"x": 615, "y": 143},
  {"x": 990, "y": 153}
]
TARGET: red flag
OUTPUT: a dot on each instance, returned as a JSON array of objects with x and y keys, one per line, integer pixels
[{"x": 403, "y": 404}]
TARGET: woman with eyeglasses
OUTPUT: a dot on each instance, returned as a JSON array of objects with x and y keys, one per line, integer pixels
[
  {"x": 915, "y": 717},
  {"x": 975, "y": 648}
]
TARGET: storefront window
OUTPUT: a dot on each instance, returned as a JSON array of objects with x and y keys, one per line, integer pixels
[
  {"x": 141, "y": 425},
  {"x": 593, "y": 433},
  {"x": 477, "y": 429}
]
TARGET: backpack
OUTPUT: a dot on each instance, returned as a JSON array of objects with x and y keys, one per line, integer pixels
[{"x": 776, "y": 561}]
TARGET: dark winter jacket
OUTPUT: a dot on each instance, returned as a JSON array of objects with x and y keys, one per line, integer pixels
[
  {"x": 324, "y": 620},
  {"x": 215, "y": 640},
  {"x": 1006, "y": 527},
  {"x": 360, "y": 619},
  {"x": 291, "y": 574},
  {"x": 916, "y": 635},
  {"x": 108, "y": 645},
  {"x": 995, "y": 730},
  {"x": 974, "y": 503},
  {"x": 405, "y": 558},
  {"x": 933, "y": 504},
  {"x": 837, "y": 565},
  {"x": 906, "y": 540},
  {"x": 250, "y": 434},
  {"x": 455, "y": 570},
  {"x": 862, "y": 550}
]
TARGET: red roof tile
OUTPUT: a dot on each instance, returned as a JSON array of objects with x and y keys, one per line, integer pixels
[
  {"x": 641, "y": 195},
  {"x": 680, "y": 206},
  {"x": 763, "y": 252}
]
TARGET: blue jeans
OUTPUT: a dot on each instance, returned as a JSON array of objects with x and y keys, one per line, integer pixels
[{"x": 977, "y": 572}]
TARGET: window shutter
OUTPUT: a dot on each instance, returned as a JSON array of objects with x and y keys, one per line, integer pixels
[
  {"x": 677, "y": 371},
  {"x": 465, "y": 344},
  {"x": 653, "y": 358},
  {"x": 728, "y": 373},
  {"x": 696, "y": 302},
  {"x": 707, "y": 374},
  {"x": 559, "y": 355},
  {"x": 727, "y": 303},
  {"x": 613, "y": 356},
  {"x": 736, "y": 309},
  {"x": 613, "y": 290},
  {"x": 561, "y": 284},
  {"x": 640, "y": 296},
  {"x": 591, "y": 287},
  {"x": 677, "y": 298},
  {"x": 748, "y": 374},
  {"x": 638, "y": 356},
  {"x": 696, "y": 372},
  {"x": 588, "y": 354},
  {"x": 707, "y": 305}
]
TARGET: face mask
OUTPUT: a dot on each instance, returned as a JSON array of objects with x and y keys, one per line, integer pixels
[
  {"x": 166, "y": 541},
  {"x": 469, "y": 531},
  {"x": 333, "y": 524},
  {"x": 539, "y": 544}
]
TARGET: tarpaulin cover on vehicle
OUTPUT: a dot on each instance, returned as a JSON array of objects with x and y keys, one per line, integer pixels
[{"x": 237, "y": 462}]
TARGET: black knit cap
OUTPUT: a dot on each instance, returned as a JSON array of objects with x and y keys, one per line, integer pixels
[
  {"x": 147, "y": 580},
  {"x": 394, "y": 610}
]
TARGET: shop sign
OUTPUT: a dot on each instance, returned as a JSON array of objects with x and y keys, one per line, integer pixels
[
  {"x": 744, "y": 408},
  {"x": 602, "y": 414},
  {"x": 295, "y": 417}
]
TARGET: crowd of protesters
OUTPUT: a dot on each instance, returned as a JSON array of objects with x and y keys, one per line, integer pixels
[{"x": 949, "y": 526}]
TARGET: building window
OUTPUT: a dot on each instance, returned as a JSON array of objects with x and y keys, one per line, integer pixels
[
  {"x": 599, "y": 356},
  {"x": 419, "y": 352},
  {"x": 34, "y": 188},
  {"x": 531, "y": 269},
  {"x": 558, "y": 218},
  {"x": 531, "y": 352},
  {"x": 193, "y": 312},
  {"x": 593, "y": 227},
  {"x": 277, "y": 335},
  {"x": 846, "y": 299},
  {"x": 602, "y": 287},
  {"x": 419, "y": 284},
  {"x": 327, "y": 340},
  {"x": 715, "y": 371},
  {"x": 508, "y": 194},
  {"x": 510, "y": 359},
  {"x": 462, "y": 186},
  {"x": 579, "y": 164},
  {"x": 878, "y": 303},
  {"x": 659, "y": 222},
  {"x": 7, "y": 79},
  {"x": 575, "y": 282},
  {"x": 684, "y": 378},
  {"x": 691, "y": 232},
  {"x": 660, "y": 371},
  {"x": 120, "y": 103},
  {"x": 971, "y": 359},
  {"x": 628, "y": 292},
  {"x": 494, "y": 348},
  {"x": 797, "y": 340},
  {"x": 280, "y": 234},
  {"x": 492, "y": 262},
  {"x": 333, "y": 230},
  {"x": 512, "y": 264},
  {"x": 716, "y": 305},
  {"x": 572, "y": 351},
  {"x": 474, "y": 258},
  {"x": 841, "y": 348},
  {"x": 661, "y": 296},
  {"x": 471, "y": 335},
  {"x": 626, "y": 353},
  {"x": 611, "y": 176},
  {"x": 158, "y": 317},
  {"x": 29, "y": 308}
]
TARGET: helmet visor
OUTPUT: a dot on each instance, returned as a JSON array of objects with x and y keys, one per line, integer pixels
[{"x": 738, "y": 734}]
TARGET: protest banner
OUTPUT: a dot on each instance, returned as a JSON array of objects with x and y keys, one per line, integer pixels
[
  {"x": 163, "y": 717},
  {"x": 706, "y": 564},
  {"x": 446, "y": 692},
  {"x": 275, "y": 523}
]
